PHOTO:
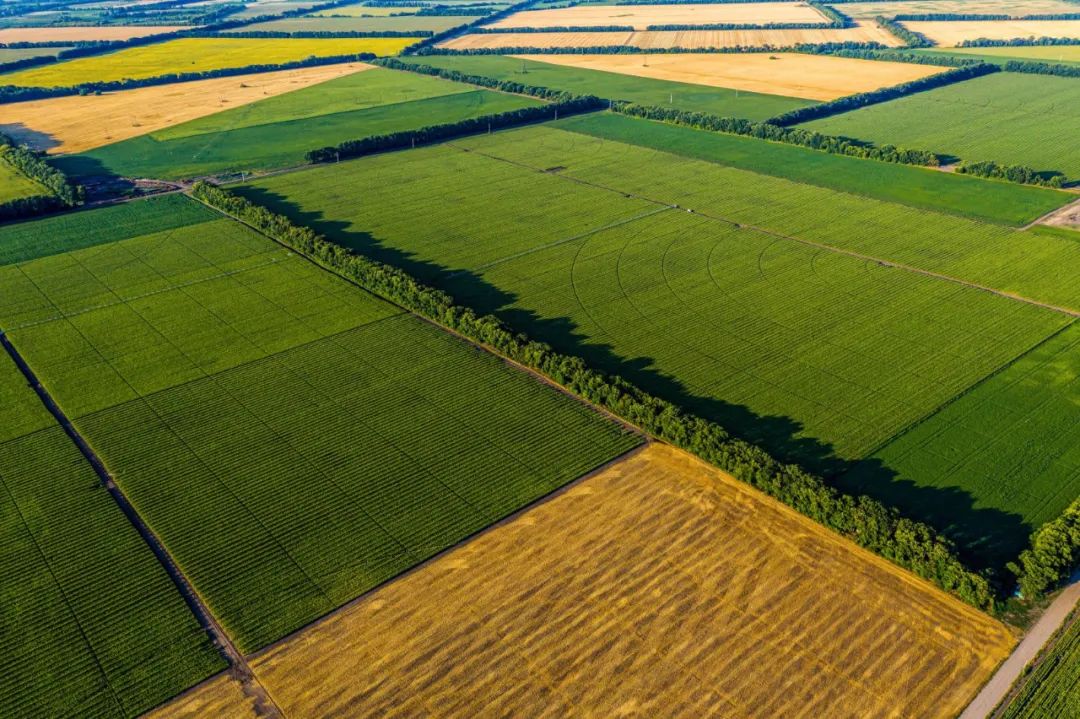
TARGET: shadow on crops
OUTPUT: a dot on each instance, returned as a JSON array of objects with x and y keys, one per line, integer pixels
[
  {"x": 23, "y": 134},
  {"x": 986, "y": 537}
]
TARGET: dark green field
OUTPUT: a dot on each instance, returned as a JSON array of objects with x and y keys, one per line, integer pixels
[
  {"x": 616, "y": 86},
  {"x": 748, "y": 312},
  {"x": 1053, "y": 688},
  {"x": 276, "y": 132},
  {"x": 91, "y": 624},
  {"x": 293, "y": 440}
]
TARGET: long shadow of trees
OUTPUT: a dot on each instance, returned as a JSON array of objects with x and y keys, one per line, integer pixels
[{"x": 985, "y": 537}]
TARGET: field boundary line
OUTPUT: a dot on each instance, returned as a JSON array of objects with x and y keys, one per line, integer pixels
[
  {"x": 512, "y": 517},
  {"x": 1042, "y": 220},
  {"x": 264, "y": 704},
  {"x": 811, "y": 243},
  {"x": 969, "y": 389}
]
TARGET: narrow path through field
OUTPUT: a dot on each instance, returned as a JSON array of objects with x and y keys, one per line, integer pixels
[
  {"x": 982, "y": 707},
  {"x": 264, "y": 705},
  {"x": 772, "y": 233},
  {"x": 1061, "y": 211}
]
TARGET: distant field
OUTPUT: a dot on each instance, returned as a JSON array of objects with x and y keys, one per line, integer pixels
[
  {"x": 1005, "y": 117},
  {"x": 13, "y": 54},
  {"x": 272, "y": 7},
  {"x": 193, "y": 55},
  {"x": 1014, "y": 437},
  {"x": 689, "y": 39},
  {"x": 406, "y": 23},
  {"x": 1052, "y": 689},
  {"x": 210, "y": 369},
  {"x": 1067, "y": 54},
  {"x": 870, "y": 10},
  {"x": 950, "y": 33},
  {"x": 641, "y": 16},
  {"x": 14, "y": 184},
  {"x": 361, "y": 10},
  {"x": 925, "y": 188},
  {"x": 92, "y": 625},
  {"x": 278, "y": 131},
  {"x": 78, "y": 34},
  {"x": 82, "y": 122},
  {"x": 618, "y": 86},
  {"x": 812, "y": 77},
  {"x": 728, "y": 310},
  {"x": 678, "y": 585}
]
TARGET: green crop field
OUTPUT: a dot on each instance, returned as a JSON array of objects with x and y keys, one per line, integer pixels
[
  {"x": 1057, "y": 54},
  {"x": 91, "y": 624},
  {"x": 617, "y": 86},
  {"x": 1053, "y": 688},
  {"x": 925, "y": 188},
  {"x": 1005, "y": 117},
  {"x": 740, "y": 310},
  {"x": 14, "y": 184},
  {"x": 276, "y": 132},
  {"x": 403, "y": 23},
  {"x": 293, "y": 440}
]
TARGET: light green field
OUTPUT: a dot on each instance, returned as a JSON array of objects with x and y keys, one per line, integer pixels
[
  {"x": 1005, "y": 117},
  {"x": 9, "y": 54},
  {"x": 361, "y": 10},
  {"x": 746, "y": 312},
  {"x": 1064, "y": 54},
  {"x": 195, "y": 55},
  {"x": 278, "y": 131},
  {"x": 91, "y": 624},
  {"x": 293, "y": 440},
  {"x": 1053, "y": 688},
  {"x": 14, "y": 184}
]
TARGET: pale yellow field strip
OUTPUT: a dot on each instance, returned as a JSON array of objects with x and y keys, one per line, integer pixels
[
  {"x": 220, "y": 697},
  {"x": 1013, "y": 8},
  {"x": 82, "y": 122},
  {"x": 657, "y": 587},
  {"x": 641, "y": 16},
  {"x": 689, "y": 39},
  {"x": 949, "y": 33},
  {"x": 79, "y": 34},
  {"x": 814, "y": 77}
]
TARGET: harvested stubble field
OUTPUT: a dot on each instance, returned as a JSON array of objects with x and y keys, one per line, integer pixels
[
  {"x": 546, "y": 71},
  {"x": 210, "y": 368},
  {"x": 812, "y": 77},
  {"x": 195, "y": 55},
  {"x": 641, "y": 16},
  {"x": 276, "y": 132},
  {"x": 83, "y": 122},
  {"x": 731, "y": 310},
  {"x": 1053, "y": 688},
  {"x": 221, "y": 697},
  {"x": 689, "y": 39},
  {"x": 407, "y": 23},
  {"x": 91, "y": 624},
  {"x": 658, "y": 586},
  {"x": 82, "y": 34},
  {"x": 1005, "y": 117},
  {"x": 950, "y": 33},
  {"x": 870, "y": 10}
]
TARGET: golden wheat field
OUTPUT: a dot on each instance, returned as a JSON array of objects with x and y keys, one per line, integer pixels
[
  {"x": 949, "y": 33},
  {"x": 641, "y": 16},
  {"x": 196, "y": 55},
  {"x": 814, "y": 77},
  {"x": 83, "y": 122},
  {"x": 869, "y": 10},
  {"x": 81, "y": 34},
  {"x": 656, "y": 586},
  {"x": 689, "y": 39},
  {"x": 220, "y": 697}
]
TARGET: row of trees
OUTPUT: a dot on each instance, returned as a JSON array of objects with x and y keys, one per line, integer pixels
[
  {"x": 1053, "y": 555},
  {"x": 777, "y": 133},
  {"x": 1041, "y": 68},
  {"x": 901, "y": 56},
  {"x": 1013, "y": 173},
  {"x": 555, "y": 28},
  {"x": 1021, "y": 42},
  {"x": 428, "y": 43},
  {"x": 913, "y": 545},
  {"x": 743, "y": 26},
  {"x": 15, "y": 93},
  {"x": 937, "y": 17},
  {"x": 62, "y": 193},
  {"x": 862, "y": 99},
  {"x": 572, "y": 105},
  {"x": 811, "y": 49},
  {"x": 909, "y": 37}
]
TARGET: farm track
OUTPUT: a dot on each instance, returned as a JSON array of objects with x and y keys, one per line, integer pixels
[
  {"x": 810, "y": 243},
  {"x": 239, "y": 668},
  {"x": 1045, "y": 219}
]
